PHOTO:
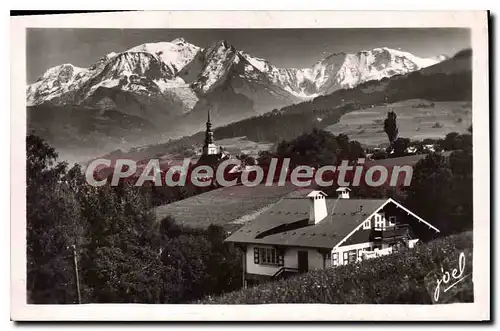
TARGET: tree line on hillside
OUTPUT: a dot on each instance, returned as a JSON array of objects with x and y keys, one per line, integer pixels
[
  {"x": 316, "y": 148},
  {"x": 441, "y": 190},
  {"x": 399, "y": 146},
  {"x": 124, "y": 254}
]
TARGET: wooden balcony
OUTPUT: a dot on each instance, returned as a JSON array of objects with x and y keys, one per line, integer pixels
[{"x": 391, "y": 233}]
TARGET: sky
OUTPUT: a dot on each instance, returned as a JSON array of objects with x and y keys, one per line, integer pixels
[{"x": 286, "y": 48}]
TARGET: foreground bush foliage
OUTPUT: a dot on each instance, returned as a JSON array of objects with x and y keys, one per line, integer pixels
[
  {"x": 398, "y": 279},
  {"x": 124, "y": 254}
]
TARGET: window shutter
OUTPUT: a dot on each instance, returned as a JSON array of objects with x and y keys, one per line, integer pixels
[{"x": 256, "y": 255}]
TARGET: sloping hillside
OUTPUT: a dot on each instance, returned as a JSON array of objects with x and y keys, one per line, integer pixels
[
  {"x": 227, "y": 206},
  {"x": 417, "y": 119},
  {"x": 401, "y": 278}
]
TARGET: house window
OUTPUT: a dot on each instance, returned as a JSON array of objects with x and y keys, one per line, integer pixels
[
  {"x": 269, "y": 256},
  {"x": 379, "y": 221},
  {"x": 366, "y": 224},
  {"x": 353, "y": 256},
  {"x": 350, "y": 256},
  {"x": 392, "y": 220},
  {"x": 335, "y": 259}
]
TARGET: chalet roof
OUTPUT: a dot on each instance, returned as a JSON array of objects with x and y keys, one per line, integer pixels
[{"x": 286, "y": 223}]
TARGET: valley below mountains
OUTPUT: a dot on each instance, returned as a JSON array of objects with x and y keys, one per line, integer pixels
[{"x": 155, "y": 92}]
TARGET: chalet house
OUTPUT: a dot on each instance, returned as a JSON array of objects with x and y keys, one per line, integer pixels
[{"x": 298, "y": 234}]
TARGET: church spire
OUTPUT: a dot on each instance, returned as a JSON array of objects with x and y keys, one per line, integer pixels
[
  {"x": 209, "y": 135},
  {"x": 209, "y": 146}
]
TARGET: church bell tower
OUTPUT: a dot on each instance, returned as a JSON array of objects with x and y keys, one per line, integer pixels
[{"x": 209, "y": 147}]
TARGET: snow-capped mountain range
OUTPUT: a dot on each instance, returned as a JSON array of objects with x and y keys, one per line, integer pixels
[
  {"x": 188, "y": 72},
  {"x": 156, "y": 91}
]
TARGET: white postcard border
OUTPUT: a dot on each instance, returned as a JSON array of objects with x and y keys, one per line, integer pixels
[{"x": 475, "y": 20}]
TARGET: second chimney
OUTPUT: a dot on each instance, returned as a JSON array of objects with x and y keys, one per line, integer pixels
[{"x": 343, "y": 192}]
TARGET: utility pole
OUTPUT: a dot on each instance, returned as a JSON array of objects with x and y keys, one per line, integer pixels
[{"x": 77, "y": 279}]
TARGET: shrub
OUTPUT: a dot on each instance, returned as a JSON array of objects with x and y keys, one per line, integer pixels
[{"x": 398, "y": 278}]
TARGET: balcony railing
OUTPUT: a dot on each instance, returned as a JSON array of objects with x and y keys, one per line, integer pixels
[{"x": 392, "y": 232}]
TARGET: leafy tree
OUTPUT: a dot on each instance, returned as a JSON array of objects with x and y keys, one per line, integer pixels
[
  {"x": 431, "y": 183},
  {"x": 319, "y": 148},
  {"x": 246, "y": 159},
  {"x": 125, "y": 256},
  {"x": 454, "y": 141},
  {"x": 120, "y": 262},
  {"x": 441, "y": 190},
  {"x": 204, "y": 264},
  {"x": 53, "y": 224},
  {"x": 379, "y": 155},
  {"x": 390, "y": 127},
  {"x": 265, "y": 157},
  {"x": 400, "y": 145}
]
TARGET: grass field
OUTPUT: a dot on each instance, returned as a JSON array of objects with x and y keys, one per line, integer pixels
[
  {"x": 229, "y": 207},
  {"x": 416, "y": 119},
  {"x": 405, "y": 277}
]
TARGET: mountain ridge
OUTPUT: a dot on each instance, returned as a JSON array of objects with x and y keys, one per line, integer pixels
[
  {"x": 178, "y": 53},
  {"x": 167, "y": 87}
]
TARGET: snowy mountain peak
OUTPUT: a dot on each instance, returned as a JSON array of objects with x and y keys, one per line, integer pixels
[
  {"x": 210, "y": 67},
  {"x": 136, "y": 63},
  {"x": 110, "y": 56},
  {"x": 55, "y": 82},
  {"x": 63, "y": 72},
  {"x": 175, "y": 54},
  {"x": 178, "y": 40}
]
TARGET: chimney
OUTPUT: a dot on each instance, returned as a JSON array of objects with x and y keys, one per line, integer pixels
[
  {"x": 317, "y": 207},
  {"x": 343, "y": 192}
]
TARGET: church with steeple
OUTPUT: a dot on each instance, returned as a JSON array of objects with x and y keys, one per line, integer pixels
[
  {"x": 211, "y": 154},
  {"x": 209, "y": 147}
]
